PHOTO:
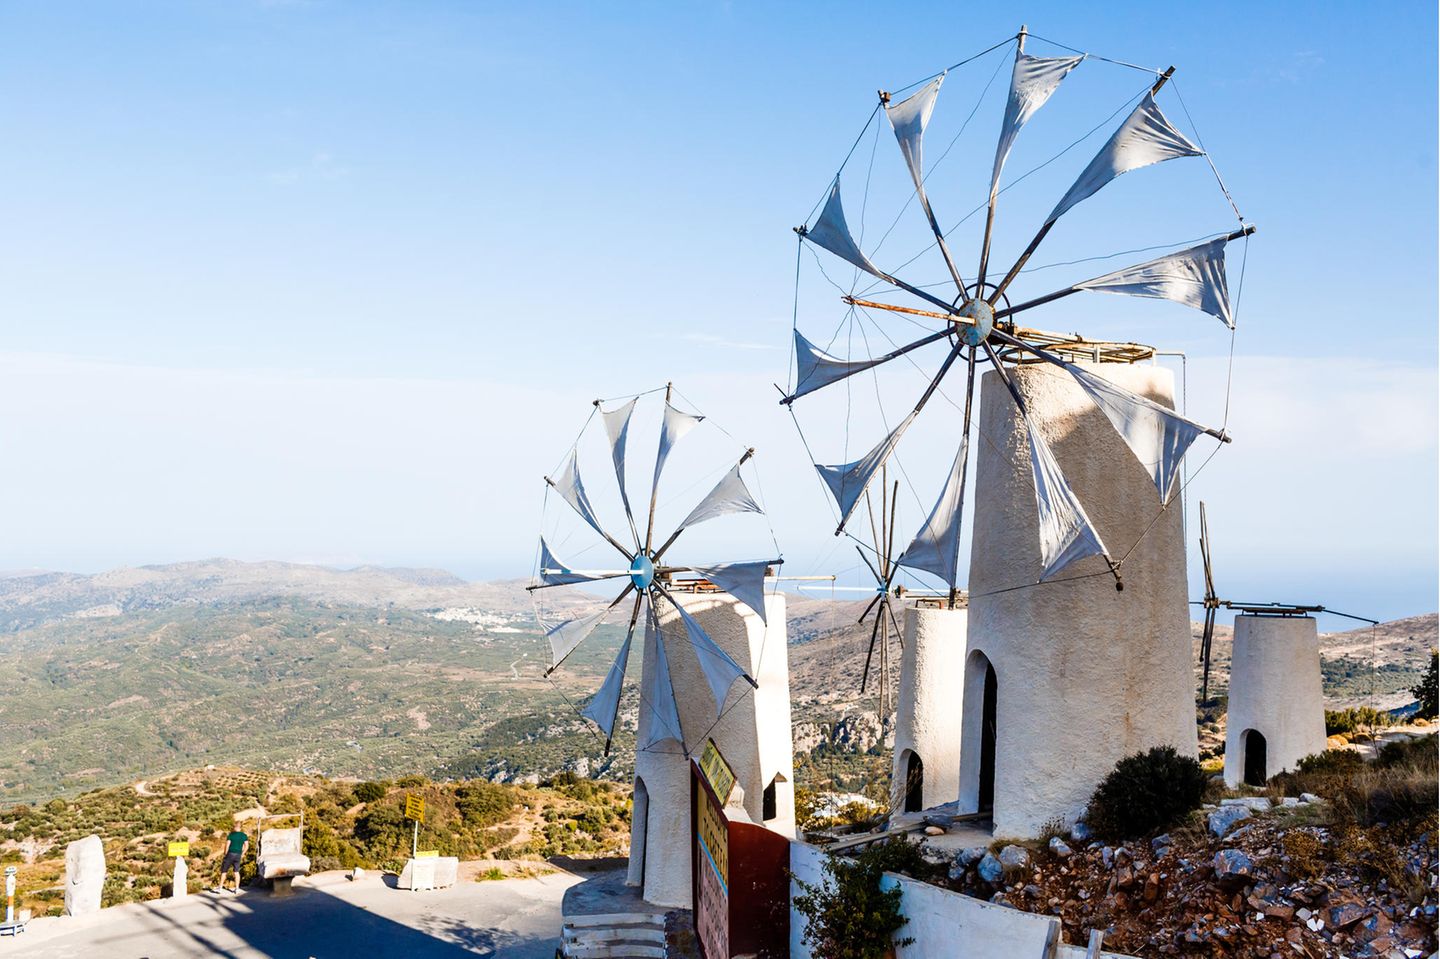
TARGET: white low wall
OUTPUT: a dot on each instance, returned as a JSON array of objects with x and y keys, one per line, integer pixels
[{"x": 943, "y": 923}]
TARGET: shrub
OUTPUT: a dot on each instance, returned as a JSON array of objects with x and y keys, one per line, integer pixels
[
  {"x": 1426, "y": 692},
  {"x": 1305, "y": 853},
  {"x": 369, "y": 792},
  {"x": 483, "y": 804},
  {"x": 1345, "y": 721},
  {"x": 1146, "y": 792},
  {"x": 848, "y": 915}
]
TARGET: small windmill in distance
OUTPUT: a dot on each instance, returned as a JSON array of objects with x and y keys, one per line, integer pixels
[{"x": 1212, "y": 603}]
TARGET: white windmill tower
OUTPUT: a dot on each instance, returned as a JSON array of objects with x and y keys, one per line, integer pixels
[
  {"x": 1275, "y": 715},
  {"x": 706, "y": 627},
  {"x": 1063, "y": 675}
]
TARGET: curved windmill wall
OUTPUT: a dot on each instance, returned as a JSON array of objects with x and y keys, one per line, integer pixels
[
  {"x": 753, "y": 735},
  {"x": 1275, "y": 689},
  {"x": 1085, "y": 675},
  {"x": 927, "y": 714}
]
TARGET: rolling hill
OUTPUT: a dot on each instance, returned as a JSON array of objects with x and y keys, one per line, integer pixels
[{"x": 375, "y": 672}]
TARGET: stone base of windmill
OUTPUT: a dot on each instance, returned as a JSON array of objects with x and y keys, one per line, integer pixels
[
  {"x": 753, "y": 734},
  {"x": 925, "y": 771},
  {"x": 604, "y": 916},
  {"x": 1063, "y": 679},
  {"x": 1276, "y": 710}
]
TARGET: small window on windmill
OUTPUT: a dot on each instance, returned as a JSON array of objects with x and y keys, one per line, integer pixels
[{"x": 767, "y": 803}]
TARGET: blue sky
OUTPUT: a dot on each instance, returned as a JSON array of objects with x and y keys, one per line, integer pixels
[{"x": 337, "y": 281}]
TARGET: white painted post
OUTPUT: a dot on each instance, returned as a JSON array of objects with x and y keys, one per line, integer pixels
[{"x": 1096, "y": 937}]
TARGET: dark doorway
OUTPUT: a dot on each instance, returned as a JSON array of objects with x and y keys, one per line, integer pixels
[
  {"x": 986, "y": 795},
  {"x": 914, "y": 783},
  {"x": 1254, "y": 758}
]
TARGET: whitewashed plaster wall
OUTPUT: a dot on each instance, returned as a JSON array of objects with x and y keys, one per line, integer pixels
[
  {"x": 928, "y": 711},
  {"x": 1275, "y": 689},
  {"x": 753, "y": 734},
  {"x": 1086, "y": 675}
]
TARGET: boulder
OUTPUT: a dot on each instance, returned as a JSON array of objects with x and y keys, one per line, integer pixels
[
  {"x": 990, "y": 869},
  {"x": 1232, "y": 864},
  {"x": 1310, "y": 798},
  {"x": 1015, "y": 857},
  {"x": 1080, "y": 832},
  {"x": 84, "y": 876},
  {"x": 1161, "y": 842},
  {"x": 1224, "y": 819},
  {"x": 1059, "y": 849},
  {"x": 969, "y": 857}
]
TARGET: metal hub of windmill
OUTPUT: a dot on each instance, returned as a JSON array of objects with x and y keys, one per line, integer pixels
[{"x": 981, "y": 324}]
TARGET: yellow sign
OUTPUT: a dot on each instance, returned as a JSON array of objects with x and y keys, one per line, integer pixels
[
  {"x": 717, "y": 771},
  {"x": 415, "y": 808},
  {"x": 428, "y": 854},
  {"x": 178, "y": 849},
  {"x": 714, "y": 836}
]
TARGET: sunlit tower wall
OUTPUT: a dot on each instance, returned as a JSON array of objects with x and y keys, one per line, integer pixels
[
  {"x": 1080, "y": 675},
  {"x": 1276, "y": 711},
  {"x": 753, "y": 734},
  {"x": 926, "y": 765}
]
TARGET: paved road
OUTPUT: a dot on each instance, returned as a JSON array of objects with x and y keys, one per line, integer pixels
[{"x": 329, "y": 917}]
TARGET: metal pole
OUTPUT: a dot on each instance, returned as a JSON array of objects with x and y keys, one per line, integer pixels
[{"x": 415, "y": 840}]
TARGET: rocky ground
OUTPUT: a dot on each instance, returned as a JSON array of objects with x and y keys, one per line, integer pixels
[{"x": 1257, "y": 880}]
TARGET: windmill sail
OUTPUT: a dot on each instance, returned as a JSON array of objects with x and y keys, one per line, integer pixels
[
  {"x": 1066, "y": 533},
  {"x": 744, "y": 581},
  {"x": 832, "y": 233},
  {"x": 565, "y": 636},
  {"x": 1144, "y": 138},
  {"x": 720, "y": 670},
  {"x": 814, "y": 368},
  {"x": 605, "y": 705},
  {"x": 1193, "y": 277},
  {"x": 908, "y": 119},
  {"x": 848, "y": 480},
  {"x": 1156, "y": 435},
  {"x": 657, "y": 694},
  {"x": 674, "y": 427},
  {"x": 1032, "y": 82},
  {"x": 572, "y": 490},
  {"x": 617, "y": 426},
  {"x": 936, "y": 548},
  {"x": 730, "y": 495}
]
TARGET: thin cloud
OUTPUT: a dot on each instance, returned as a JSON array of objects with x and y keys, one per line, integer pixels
[{"x": 710, "y": 339}]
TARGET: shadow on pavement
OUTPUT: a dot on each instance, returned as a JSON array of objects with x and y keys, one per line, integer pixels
[{"x": 309, "y": 923}]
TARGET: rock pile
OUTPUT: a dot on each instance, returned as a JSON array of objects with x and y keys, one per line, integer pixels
[{"x": 1249, "y": 883}]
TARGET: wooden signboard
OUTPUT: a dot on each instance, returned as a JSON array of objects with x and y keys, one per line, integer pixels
[
  {"x": 415, "y": 808},
  {"x": 739, "y": 881}
]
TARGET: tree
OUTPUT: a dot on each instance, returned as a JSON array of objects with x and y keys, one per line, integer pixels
[{"x": 1425, "y": 691}]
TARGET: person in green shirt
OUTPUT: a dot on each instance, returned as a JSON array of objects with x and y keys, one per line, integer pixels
[{"x": 236, "y": 843}]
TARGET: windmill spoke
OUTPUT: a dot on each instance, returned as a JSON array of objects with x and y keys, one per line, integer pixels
[
  {"x": 655, "y": 487},
  {"x": 875, "y": 572},
  {"x": 874, "y": 632}
]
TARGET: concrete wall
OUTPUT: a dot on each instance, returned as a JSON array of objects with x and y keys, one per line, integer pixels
[
  {"x": 1086, "y": 675},
  {"x": 927, "y": 716},
  {"x": 942, "y": 923},
  {"x": 1275, "y": 689},
  {"x": 753, "y": 735}
]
